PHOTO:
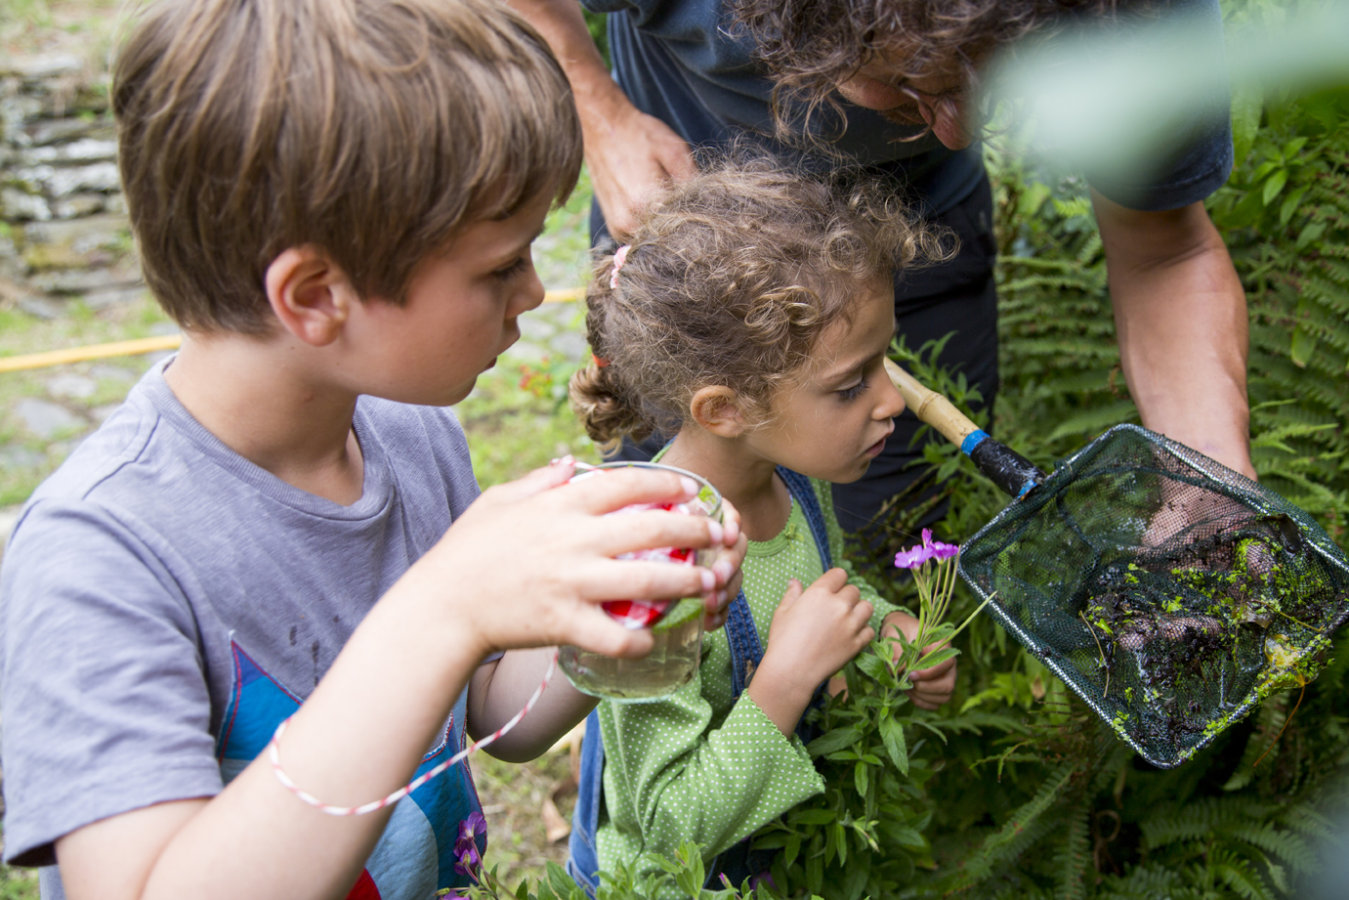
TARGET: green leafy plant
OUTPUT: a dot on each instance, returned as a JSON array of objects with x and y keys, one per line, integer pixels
[{"x": 683, "y": 875}]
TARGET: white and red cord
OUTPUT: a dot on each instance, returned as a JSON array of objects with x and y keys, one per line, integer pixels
[{"x": 274, "y": 753}]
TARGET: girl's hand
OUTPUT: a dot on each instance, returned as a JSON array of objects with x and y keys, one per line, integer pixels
[
  {"x": 931, "y": 687},
  {"x": 816, "y": 630}
]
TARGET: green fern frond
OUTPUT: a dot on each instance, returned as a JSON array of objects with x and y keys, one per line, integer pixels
[
  {"x": 1092, "y": 254},
  {"x": 1282, "y": 845},
  {"x": 1238, "y": 875},
  {"x": 1269, "y": 721},
  {"x": 1143, "y": 883},
  {"x": 1072, "y": 859},
  {"x": 1094, "y": 421},
  {"x": 1279, "y": 436},
  {"x": 1069, "y": 282},
  {"x": 1199, "y": 819},
  {"x": 1022, "y": 829}
]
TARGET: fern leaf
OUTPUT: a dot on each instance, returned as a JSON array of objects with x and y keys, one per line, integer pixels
[{"x": 1072, "y": 861}]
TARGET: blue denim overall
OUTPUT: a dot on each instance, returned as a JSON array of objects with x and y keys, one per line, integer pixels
[{"x": 746, "y": 653}]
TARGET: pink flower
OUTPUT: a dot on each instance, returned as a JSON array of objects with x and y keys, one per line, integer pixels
[{"x": 916, "y": 556}]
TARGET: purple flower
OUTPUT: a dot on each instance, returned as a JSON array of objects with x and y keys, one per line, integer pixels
[
  {"x": 911, "y": 558},
  {"x": 763, "y": 878},
  {"x": 466, "y": 851},
  {"x": 916, "y": 556},
  {"x": 939, "y": 550}
]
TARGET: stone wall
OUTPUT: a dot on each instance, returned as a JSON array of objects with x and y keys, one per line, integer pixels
[{"x": 63, "y": 226}]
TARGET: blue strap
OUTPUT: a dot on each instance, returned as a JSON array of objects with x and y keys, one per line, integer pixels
[
  {"x": 743, "y": 637},
  {"x": 804, "y": 492},
  {"x": 583, "y": 862}
]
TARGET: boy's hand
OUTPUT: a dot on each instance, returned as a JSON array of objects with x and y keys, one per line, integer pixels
[
  {"x": 528, "y": 562},
  {"x": 931, "y": 687},
  {"x": 816, "y": 630},
  {"x": 726, "y": 568}
]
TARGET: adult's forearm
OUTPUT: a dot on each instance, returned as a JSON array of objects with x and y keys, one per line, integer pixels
[
  {"x": 564, "y": 28},
  {"x": 1180, "y": 312},
  {"x": 629, "y": 154}
]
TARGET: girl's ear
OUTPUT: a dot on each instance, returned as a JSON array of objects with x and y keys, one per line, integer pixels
[
  {"x": 309, "y": 294},
  {"x": 716, "y": 408}
]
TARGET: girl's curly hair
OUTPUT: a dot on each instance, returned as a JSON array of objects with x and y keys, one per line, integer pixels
[
  {"x": 729, "y": 279},
  {"x": 810, "y": 46}
]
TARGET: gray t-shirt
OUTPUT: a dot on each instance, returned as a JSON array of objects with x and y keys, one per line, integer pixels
[{"x": 165, "y": 604}]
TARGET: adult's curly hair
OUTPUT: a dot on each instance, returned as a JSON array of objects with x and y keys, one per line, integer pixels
[
  {"x": 730, "y": 279},
  {"x": 810, "y": 46}
]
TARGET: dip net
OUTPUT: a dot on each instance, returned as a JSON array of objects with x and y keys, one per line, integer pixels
[{"x": 1169, "y": 592}]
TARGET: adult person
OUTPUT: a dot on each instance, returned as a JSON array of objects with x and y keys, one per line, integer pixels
[{"x": 889, "y": 84}]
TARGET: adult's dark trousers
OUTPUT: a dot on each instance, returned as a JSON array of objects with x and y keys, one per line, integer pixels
[{"x": 956, "y": 296}]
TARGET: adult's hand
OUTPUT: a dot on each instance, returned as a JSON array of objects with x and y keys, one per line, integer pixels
[
  {"x": 630, "y": 155},
  {"x": 1180, "y": 312}
]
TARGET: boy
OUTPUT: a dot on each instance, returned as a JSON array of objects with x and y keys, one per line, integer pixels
[{"x": 335, "y": 199}]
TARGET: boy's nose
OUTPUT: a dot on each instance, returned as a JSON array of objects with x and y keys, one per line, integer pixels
[{"x": 531, "y": 293}]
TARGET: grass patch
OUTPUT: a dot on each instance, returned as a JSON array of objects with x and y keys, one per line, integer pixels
[
  {"x": 18, "y": 884},
  {"x": 512, "y": 430},
  {"x": 514, "y": 799}
]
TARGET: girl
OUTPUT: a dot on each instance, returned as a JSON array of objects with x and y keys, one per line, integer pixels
[{"x": 749, "y": 316}]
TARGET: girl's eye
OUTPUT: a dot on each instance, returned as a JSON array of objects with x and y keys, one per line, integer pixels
[
  {"x": 852, "y": 392},
  {"x": 510, "y": 271}
]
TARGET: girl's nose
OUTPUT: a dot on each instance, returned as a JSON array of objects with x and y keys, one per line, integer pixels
[{"x": 891, "y": 401}]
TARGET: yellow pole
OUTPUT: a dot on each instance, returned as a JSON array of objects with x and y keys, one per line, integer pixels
[
  {"x": 156, "y": 344},
  {"x": 84, "y": 354}
]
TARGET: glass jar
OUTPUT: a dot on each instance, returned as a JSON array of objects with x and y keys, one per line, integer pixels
[{"x": 678, "y": 632}]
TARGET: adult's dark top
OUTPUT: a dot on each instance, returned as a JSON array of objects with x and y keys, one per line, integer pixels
[{"x": 683, "y": 62}]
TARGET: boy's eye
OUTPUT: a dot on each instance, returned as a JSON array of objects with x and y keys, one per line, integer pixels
[
  {"x": 852, "y": 392},
  {"x": 511, "y": 270}
]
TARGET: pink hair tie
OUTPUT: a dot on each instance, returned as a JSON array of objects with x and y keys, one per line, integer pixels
[{"x": 620, "y": 257}]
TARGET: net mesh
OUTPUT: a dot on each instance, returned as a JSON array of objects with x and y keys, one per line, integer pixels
[{"x": 1170, "y": 593}]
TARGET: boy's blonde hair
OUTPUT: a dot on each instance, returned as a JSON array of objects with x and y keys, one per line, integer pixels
[
  {"x": 730, "y": 279},
  {"x": 371, "y": 129}
]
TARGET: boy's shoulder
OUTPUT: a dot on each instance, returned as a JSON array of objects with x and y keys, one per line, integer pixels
[
  {"x": 151, "y": 435},
  {"x": 152, "y": 464}
]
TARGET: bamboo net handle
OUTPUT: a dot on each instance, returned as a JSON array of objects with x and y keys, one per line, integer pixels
[{"x": 930, "y": 406}]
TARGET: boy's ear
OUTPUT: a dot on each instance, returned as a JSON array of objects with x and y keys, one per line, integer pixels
[
  {"x": 717, "y": 409},
  {"x": 309, "y": 294}
]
